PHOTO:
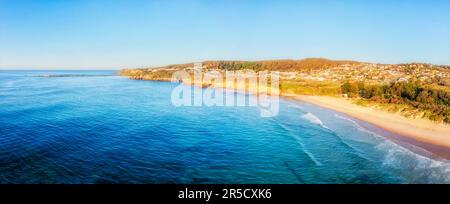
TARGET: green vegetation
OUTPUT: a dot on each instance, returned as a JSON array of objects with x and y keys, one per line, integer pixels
[
  {"x": 302, "y": 87},
  {"x": 270, "y": 65},
  {"x": 147, "y": 74},
  {"x": 413, "y": 97},
  {"x": 279, "y": 65}
]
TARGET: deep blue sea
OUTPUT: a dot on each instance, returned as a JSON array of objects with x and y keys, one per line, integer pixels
[{"x": 104, "y": 128}]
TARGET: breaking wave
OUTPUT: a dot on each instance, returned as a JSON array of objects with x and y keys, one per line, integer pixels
[
  {"x": 296, "y": 107},
  {"x": 359, "y": 127},
  {"x": 314, "y": 119},
  {"x": 300, "y": 143},
  {"x": 414, "y": 167}
]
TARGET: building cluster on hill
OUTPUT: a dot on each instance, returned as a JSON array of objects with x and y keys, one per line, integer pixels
[
  {"x": 375, "y": 73},
  {"x": 332, "y": 72}
]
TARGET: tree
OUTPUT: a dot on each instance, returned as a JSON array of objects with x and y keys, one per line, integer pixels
[{"x": 351, "y": 89}]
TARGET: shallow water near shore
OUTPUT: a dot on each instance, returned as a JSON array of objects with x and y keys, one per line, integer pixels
[{"x": 109, "y": 129}]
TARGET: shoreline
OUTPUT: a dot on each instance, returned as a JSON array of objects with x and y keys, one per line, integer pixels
[
  {"x": 430, "y": 136},
  {"x": 433, "y": 137}
]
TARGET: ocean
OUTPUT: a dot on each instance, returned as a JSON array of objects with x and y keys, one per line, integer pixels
[{"x": 97, "y": 127}]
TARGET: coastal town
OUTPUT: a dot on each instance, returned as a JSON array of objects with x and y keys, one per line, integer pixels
[
  {"x": 371, "y": 73},
  {"x": 376, "y": 73},
  {"x": 225, "y": 101}
]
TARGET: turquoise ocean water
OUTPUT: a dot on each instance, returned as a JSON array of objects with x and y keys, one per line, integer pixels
[{"x": 95, "y": 127}]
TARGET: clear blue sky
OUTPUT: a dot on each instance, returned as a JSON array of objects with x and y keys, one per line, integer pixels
[{"x": 116, "y": 34}]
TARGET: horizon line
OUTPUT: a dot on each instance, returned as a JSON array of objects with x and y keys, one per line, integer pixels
[{"x": 93, "y": 68}]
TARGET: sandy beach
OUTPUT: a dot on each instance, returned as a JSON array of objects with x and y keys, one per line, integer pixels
[
  {"x": 422, "y": 132},
  {"x": 431, "y": 136},
  {"x": 427, "y": 134}
]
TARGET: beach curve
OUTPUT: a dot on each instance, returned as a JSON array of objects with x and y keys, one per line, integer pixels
[{"x": 424, "y": 133}]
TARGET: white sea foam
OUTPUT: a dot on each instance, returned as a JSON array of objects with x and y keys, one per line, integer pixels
[
  {"x": 300, "y": 142},
  {"x": 359, "y": 127},
  {"x": 414, "y": 167},
  {"x": 296, "y": 107},
  {"x": 310, "y": 155},
  {"x": 314, "y": 119}
]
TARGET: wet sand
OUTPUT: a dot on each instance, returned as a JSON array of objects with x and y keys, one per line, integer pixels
[{"x": 433, "y": 137}]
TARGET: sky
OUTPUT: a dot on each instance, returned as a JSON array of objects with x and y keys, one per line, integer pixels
[{"x": 110, "y": 34}]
